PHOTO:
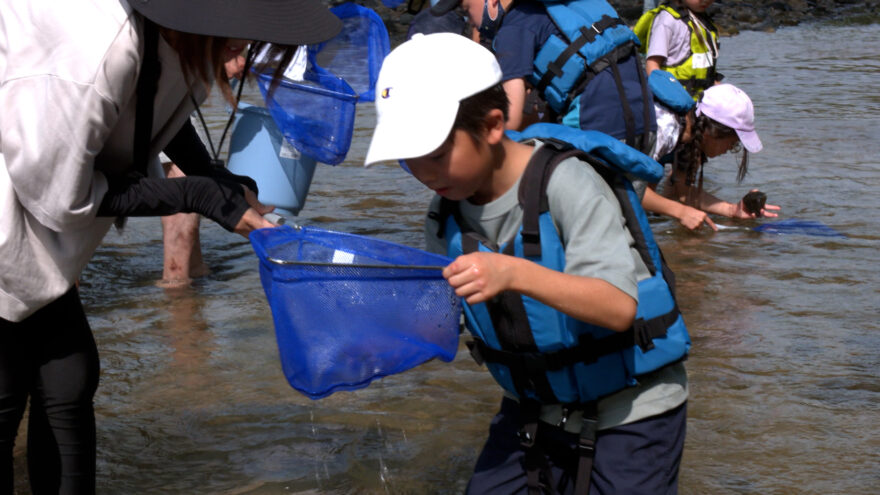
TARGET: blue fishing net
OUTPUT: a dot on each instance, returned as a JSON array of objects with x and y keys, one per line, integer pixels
[
  {"x": 349, "y": 309},
  {"x": 357, "y": 52},
  {"x": 316, "y": 115}
]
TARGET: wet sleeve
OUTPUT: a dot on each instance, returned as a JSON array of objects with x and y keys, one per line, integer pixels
[
  {"x": 218, "y": 199},
  {"x": 591, "y": 227},
  {"x": 188, "y": 152}
]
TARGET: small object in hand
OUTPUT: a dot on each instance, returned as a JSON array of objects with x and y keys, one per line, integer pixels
[
  {"x": 275, "y": 218},
  {"x": 753, "y": 202}
]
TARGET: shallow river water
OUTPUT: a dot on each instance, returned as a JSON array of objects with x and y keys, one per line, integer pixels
[{"x": 785, "y": 396}]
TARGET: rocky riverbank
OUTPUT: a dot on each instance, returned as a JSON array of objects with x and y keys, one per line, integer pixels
[{"x": 731, "y": 16}]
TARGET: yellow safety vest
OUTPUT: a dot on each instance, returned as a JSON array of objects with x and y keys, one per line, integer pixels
[{"x": 697, "y": 71}]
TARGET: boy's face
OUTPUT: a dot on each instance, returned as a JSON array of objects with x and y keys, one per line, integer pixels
[
  {"x": 459, "y": 169},
  {"x": 473, "y": 9},
  {"x": 698, "y": 5}
]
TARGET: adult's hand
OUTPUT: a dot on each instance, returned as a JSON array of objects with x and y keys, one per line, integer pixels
[
  {"x": 253, "y": 216},
  {"x": 255, "y": 203},
  {"x": 250, "y": 221}
]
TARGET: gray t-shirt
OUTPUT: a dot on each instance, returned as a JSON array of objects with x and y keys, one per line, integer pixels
[{"x": 591, "y": 228}]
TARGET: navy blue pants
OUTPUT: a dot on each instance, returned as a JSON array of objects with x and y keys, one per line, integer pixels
[
  {"x": 50, "y": 357},
  {"x": 632, "y": 459}
]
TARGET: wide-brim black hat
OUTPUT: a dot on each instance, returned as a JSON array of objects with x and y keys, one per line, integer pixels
[{"x": 286, "y": 22}]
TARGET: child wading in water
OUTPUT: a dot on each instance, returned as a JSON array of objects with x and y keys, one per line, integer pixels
[
  {"x": 724, "y": 120},
  {"x": 680, "y": 37},
  {"x": 442, "y": 110}
]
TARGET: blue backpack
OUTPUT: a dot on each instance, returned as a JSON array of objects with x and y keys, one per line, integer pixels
[{"x": 593, "y": 39}]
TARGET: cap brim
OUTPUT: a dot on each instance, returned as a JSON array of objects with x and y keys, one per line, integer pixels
[
  {"x": 399, "y": 137},
  {"x": 292, "y": 22},
  {"x": 750, "y": 141},
  {"x": 444, "y": 6}
]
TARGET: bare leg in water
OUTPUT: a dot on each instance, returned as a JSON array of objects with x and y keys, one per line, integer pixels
[{"x": 183, "y": 251}]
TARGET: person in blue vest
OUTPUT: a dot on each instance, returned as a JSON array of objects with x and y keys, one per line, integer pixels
[
  {"x": 530, "y": 39},
  {"x": 575, "y": 414}
]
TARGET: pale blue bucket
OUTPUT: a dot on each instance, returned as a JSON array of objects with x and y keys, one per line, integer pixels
[{"x": 258, "y": 150}]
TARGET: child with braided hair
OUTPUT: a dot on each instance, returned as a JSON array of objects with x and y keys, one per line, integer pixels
[{"x": 724, "y": 120}]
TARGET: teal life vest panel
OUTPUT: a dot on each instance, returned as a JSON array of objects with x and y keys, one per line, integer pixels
[
  {"x": 593, "y": 37},
  {"x": 538, "y": 353}
]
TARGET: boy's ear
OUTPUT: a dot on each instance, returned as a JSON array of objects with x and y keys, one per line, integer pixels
[{"x": 494, "y": 125}]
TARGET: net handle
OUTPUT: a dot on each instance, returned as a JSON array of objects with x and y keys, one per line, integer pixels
[{"x": 354, "y": 265}]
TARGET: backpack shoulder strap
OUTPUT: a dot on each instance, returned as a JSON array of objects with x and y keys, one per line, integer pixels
[{"x": 533, "y": 192}]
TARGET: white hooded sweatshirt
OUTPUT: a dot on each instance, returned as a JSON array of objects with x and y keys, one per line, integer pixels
[{"x": 68, "y": 73}]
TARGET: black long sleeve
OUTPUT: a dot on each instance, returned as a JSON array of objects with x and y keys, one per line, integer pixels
[
  {"x": 188, "y": 152},
  {"x": 220, "y": 200}
]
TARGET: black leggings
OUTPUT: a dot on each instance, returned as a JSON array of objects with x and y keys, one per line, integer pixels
[{"x": 50, "y": 357}]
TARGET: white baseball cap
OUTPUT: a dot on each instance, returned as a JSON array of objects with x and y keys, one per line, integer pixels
[
  {"x": 731, "y": 106},
  {"x": 419, "y": 89}
]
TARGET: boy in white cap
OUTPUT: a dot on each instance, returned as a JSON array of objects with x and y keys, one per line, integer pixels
[{"x": 441, "y": 111}]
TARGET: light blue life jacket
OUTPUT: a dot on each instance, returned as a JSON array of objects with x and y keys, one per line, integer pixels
[
  {"x": 593, "y": 37},
  {"x": 538, "y": 353}
]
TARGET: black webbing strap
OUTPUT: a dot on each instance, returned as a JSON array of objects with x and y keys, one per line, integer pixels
[
  {"x": 587, "y": 351},
  {"x": 628, "y": 117},
  {"x": 148, "y": 80},
  {"x": 586, "y": 448},
  {"x": 588, "y": 34},
  {"x": 532, "y": 196},
  {"x": 647, "y": 104},
  {"x": 536, "y": 464},
  {"x": 145, "y": 92},
  {"x": 509, "y": 319},
  {"x": 442, "y": 215}
]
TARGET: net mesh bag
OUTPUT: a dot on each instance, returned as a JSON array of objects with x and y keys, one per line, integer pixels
[
  {"x": 349, "y": 309},
  {"x": 316, "y": 115},
  {"x": 357, "y": 52}
]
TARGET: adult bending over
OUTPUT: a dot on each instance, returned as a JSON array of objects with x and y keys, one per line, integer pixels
[{"x": 91, "y": 91}]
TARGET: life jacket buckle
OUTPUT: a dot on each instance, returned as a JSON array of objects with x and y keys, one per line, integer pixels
[
  {"x": 566, "y": 413},
  {"x": 587, "y": 440},
  {"x": 526, "y": 438},
  {"x": 598, "y": 31}
]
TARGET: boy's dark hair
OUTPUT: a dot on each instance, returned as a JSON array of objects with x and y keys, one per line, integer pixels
[{"x": 473, "y": 109}]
